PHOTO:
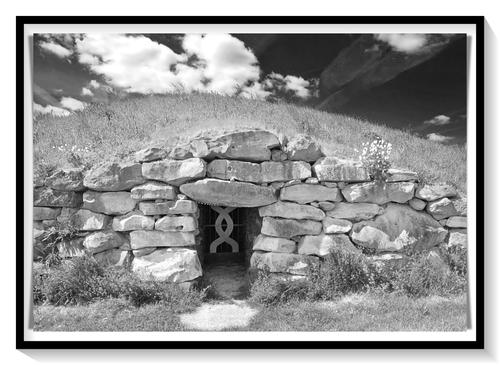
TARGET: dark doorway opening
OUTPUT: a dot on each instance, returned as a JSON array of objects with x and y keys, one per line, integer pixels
[{"x": 227, "y": 235}]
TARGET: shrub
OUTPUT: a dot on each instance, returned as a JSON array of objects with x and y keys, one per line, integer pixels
[
  {"x": 375, "y": 157},
  {"x": 83, "y": 279},
  {"x": 269, "y": 290}
]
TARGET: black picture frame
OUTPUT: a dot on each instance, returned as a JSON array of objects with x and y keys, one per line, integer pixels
[{"x": 21, "y": 343}]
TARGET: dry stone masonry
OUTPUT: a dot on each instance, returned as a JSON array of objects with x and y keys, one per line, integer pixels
[{"x": 143, "y": 213}]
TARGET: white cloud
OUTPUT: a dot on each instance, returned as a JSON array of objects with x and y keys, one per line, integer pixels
[
  {"x": 49, "y": 109},
  {"x": 439, "y": 120},
  {"x": 72, "y": 104},
  {"x": 408, "y": 43},
  {"x": 438, "y": 137},
  {"x": 255, "y": 91},
  {"x": 294, "y": 84},
  {"x": 56, "y": 49},
  {"x": 94, "y": 84},
  {"x": 87, "y": 92}
]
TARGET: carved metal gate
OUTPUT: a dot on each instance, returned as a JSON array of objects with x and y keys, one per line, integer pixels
[{"x": 222, "y": 228}]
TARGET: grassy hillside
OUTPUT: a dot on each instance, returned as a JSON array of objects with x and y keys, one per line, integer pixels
[{"x": 100, "y": 132}]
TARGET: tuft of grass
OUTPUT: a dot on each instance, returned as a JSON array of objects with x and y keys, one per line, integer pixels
[{"x": 100, "y": 132}]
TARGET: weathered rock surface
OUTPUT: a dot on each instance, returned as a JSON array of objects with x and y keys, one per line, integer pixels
[
  {"x": 114, "y": 176},
  {"x": 173, "y": 265},
  {"x": 288, "y": 228},
  {"x": 335, "y": 225},
  {"x": 460, "y": 204},
  {"x": 71, "y": 248},
  {"x": 303, "y": 148},
  {"x": 175, "y": 172},
  {"x": 397, "y": 175},
  {"x": 47, "y": 197},
  {"x": 229, "y": 193},
  {"x": 278, "y": 155},
  {"x": 133, "y": 221},
  {"x": 326, "y": 206},
  {"x": 336, "y": 169},
  {"x": 285, "y": 171},
  {"x": 306, "y": 193},
  {"x": 457, "y": 237},
  {"x": 180, "y": 206},
  {"x": 456, "y": 222},
  {"x": 379, "y": 193},
  {"x": 417, "y": 204},
  {"x": 235, "y": 170},
  {"x": 66, "y": 180},
  {"x": 195, "y": 148},
  {"x": 246, "y": 146},
  {"x": 43, "y": 213},
  {"x": 153, "y": 190},
  {"x": 291, "y": 211},
  {"x": 355, "y": 211},
  {"x": 143, "y": 251},
  {"x": 324, "y": 244},
  {"x": 150, "y": 154},
  {"x": 103, "y": 240},
  {"x": 173, "y": 223},
  {"x": 273, "y": 244},
  {"x": 141, "y": 239},
  {"x": 86, "y": 220},
  {"x": 398, "y": 227},
  {"x": 114, "y": 257},
  {"x": 432, "y": 192},
  {"x": 441, "y": 209},
  {"x": 284, "y": 262},
  {"x": 113, "y": 203}
]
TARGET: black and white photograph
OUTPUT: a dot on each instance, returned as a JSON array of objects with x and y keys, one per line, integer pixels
[{"x": 252, "y": 182}]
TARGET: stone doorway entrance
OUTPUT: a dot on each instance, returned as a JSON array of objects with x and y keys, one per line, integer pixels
[{"x": 227, "y": 235}]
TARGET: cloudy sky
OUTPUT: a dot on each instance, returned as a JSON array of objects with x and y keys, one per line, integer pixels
[{"x": 72, "y": 70}]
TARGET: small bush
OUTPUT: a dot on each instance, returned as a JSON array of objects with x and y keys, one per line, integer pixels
[
  {"x": 375, "y": 157},
  {"x": 83, "y": 280},
  {"x": 269, "y": 290}
]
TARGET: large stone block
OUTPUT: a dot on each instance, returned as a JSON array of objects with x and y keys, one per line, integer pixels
[
  {"x": 253, "y": 145},
  {"x": 456, "y": 222},
  {"x": 457, "y": 237},
  {"x": 397, "y": 175},
  {"x": 303, "y": 148},
  {"x": 399, "y": 226},
  {"x": 176, "y": 223},
  {"x": 47, "y": 197},
  {"x": 285, "y": 171},
  {"x": 306, "y": 193},
  {"x": 175, "y": 172},
  {"x": 114, "y": 257},
  {"x": 324, "y": 244},
  {"x": 291, "y": 211},
  {"x": 66, "y": 180},
  {"x": 288, "y": 228},
  {"x": 45, "y": 213},
  {"x": 432, "y": 192},
  {"x": 355, "y": 211},
  {"x": 150, "y": 154},
  {"x": 235, "y": 170},
  {"x": 273, "y": 244},
  {"x": 141, "y": 239},
  {"x": 229, "y": 193},
  {"x": 153, "y": 190},
  {"x": 168, "y": 207},
  {"x": 143, "y": 251},
  {"x": 113, "y": 203},
  {"x": 335, "y": 225},
  {"x": 86, "y": 220},
  {"x": 441, "y": 209},
  {"x": 379, "y": 192},
  {"x": 336, "y": 169},
  {"x": 173, "y": 265},
  {"x": 284, "y": 262},
  {"x": 114, "y": 176},
  {"x": 103, "y": 240},
  {"x": 133, "y": 221},
  {"x": 417, "y": 204}
]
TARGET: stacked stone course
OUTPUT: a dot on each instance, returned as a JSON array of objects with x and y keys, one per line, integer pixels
[{"x": 143, "y": 212}]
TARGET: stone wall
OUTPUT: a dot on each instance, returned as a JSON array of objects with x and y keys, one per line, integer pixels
[{"x": 142, "y": 211}]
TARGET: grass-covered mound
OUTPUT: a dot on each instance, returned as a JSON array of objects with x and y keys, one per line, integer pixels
[{"x": 100, "y": 132}]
